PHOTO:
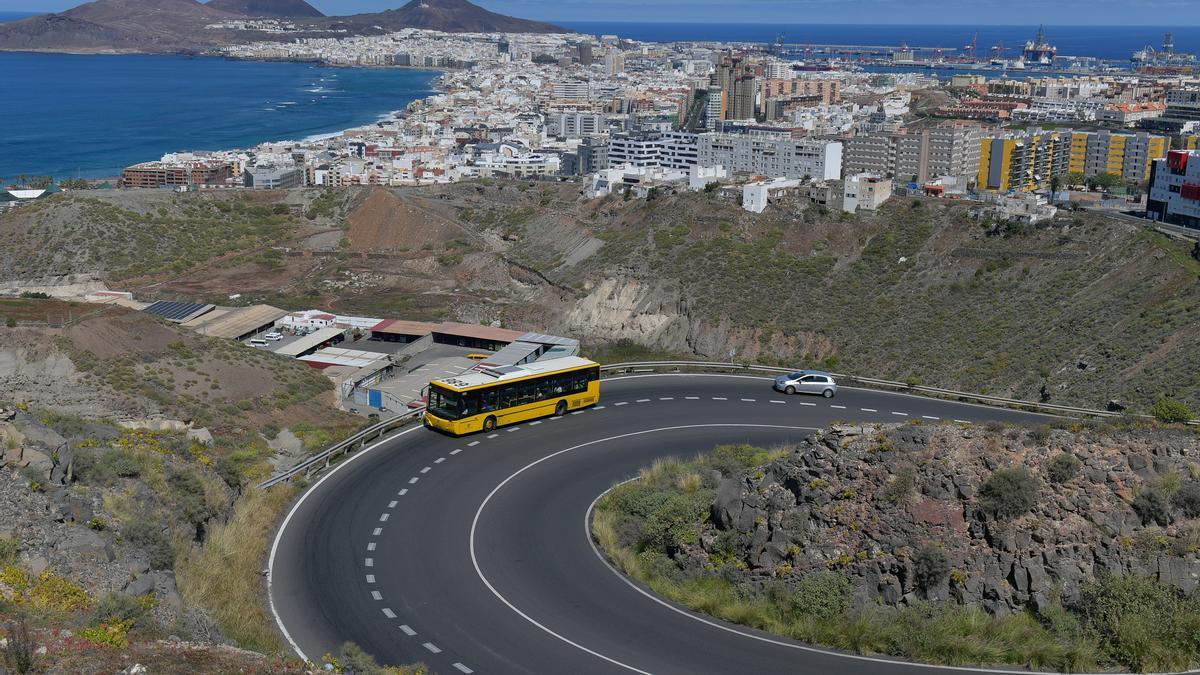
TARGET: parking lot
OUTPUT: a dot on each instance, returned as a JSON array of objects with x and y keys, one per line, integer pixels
[{"x": 436, "y": 362}]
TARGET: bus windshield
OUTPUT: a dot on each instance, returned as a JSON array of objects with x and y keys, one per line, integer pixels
[{"x": 446, "y": 404}]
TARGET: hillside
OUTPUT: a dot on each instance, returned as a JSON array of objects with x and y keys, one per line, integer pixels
[
  {"x": 186, "y": 26},
  {"x": 267, "y": 8},
  {"x": 128, "y": 447},
  {"x": 1073, "y": 548},
  {"x": 1083, "y": 310},
  {"x": 119, "y": 25},
  {"x": 450, "y": 16}
]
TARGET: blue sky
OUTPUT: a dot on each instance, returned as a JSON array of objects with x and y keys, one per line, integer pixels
[{"x": 1062, "y": 12}]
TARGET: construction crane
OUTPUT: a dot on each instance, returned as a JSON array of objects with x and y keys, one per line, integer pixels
[{"x": 973, "y": 48}]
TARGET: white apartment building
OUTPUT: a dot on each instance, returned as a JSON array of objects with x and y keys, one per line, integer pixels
[
  {"x": 575, "y": 124},
  {"x": 951, "y": 149},
  {"x": 669, "y": 150},
  {"x": 572, "y": 89},
  {"x": 1175, "y": 189},
  {"x": 865, "y": 191},
  {"x": 774, "y": 156}
]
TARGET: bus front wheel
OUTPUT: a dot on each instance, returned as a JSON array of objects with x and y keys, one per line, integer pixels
[
  {"x": 560, "y": 409},
  {"x": 489, "y": 424}
]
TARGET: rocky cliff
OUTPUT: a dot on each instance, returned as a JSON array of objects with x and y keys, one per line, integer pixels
[{"x": 916, "y": 512}]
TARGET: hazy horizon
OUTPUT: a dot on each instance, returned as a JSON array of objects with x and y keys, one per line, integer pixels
[{"x": 1163, "y": 13}]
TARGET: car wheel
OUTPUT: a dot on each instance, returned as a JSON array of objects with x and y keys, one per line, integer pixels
[
  {"x": 489, "y": 424},
  {"x": 560, "y": 409},
  {"x": 790, "y": 390},
  {"x": 828, "y": 393}
]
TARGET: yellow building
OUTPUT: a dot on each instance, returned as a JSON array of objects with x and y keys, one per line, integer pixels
[
  {"x": 1023, "y": 161},
  {"x": 1125, "y": 155}
]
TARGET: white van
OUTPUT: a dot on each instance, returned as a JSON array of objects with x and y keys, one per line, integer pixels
[{"x": 258, "y": 342}]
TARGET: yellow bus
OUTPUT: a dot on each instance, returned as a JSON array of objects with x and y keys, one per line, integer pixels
[{"x": 487, "y": 398}]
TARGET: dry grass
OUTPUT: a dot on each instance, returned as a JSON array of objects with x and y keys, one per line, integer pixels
[{"x": 224, "y": 577}]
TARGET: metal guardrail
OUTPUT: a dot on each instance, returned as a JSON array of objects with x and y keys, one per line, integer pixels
[
  {"x": 680, "y": 366},
  {"x": 325, "y": 458}
]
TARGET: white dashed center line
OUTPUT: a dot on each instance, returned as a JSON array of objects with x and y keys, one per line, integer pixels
[
  {"x": 439, "y": 460},
  {"x": 432, "y": 647},
  {"x": 371, "y": 546},
  {"x": 643, "y": 400},
  {"x": 377, "y": 531},
  {"x": 780, "y": 402},
  {"x": 456, "y": 451},
  {"x": 720, "y": 398},
  {"x": 578, "y": 412},
  {"x": 748, "y": 400},
  {"x": 622, "y": 403},
  {"x": 389, "y": 613},
  {"x": 599, "y": 407},
  {"x": 392, "y": 504},
  {"x": 839, "y": 407},
  {"x": 463, "y": 669},
  {"x": 427, "y": 469},
  {"x": 930, "y": 417},
  {"x": 472, "y": 444},
  {"x": 868, "y": 410},
  {"x": 535, "y": 423},
  {"x": 692, "y": 398},
  {"x": 666, "y": 398},
  {"x": 370, "y": 578},
  {"x": 383, "y": 517},
  {"x": 413, "y": 480},
  {"x": 493, "y": 435},
  {"x": 811, "y": 405},
  {"x": 403, "y": 492},
  {"x": 369, "y": 562},
  {"x": 407, "y": 631},
  {"x": 377, "y": 595},
  {"x": 900, "y": 413}
]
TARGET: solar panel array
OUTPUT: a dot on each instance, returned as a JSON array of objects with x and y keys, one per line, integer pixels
[{"x": 177, "y": 311}]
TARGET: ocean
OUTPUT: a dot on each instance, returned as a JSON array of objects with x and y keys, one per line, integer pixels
[
  {"x": 86, "y": 115},
  {"x": 1107, "y": 42}
]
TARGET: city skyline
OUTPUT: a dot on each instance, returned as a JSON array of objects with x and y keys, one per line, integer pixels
[{"x": 1068, "y": 12}]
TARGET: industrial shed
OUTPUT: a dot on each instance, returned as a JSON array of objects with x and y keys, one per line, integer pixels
[{"x": 236, "y": 323}]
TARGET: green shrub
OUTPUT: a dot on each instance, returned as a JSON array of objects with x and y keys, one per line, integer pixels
[
  {"x": 1142, "y": 624},
  {"x": 147, "y": 533},
  {"x": 106, "y": 467},
  {"x": 10, "y": 550},
  {"x": 118, "y": 607},
  {"x": 1187, "y": 499},
  {"x": 1008, "y": 493},
  {"x": 188, "y": 492},
  {"x": 1040, "y": 434},
  {"x": 1152, "y": 507},
  {"x": 823, "y": 595},
  {"x": 1062, "y": 468},
  {"x": 902, "y": 485},
  {"x": 930, "y": 566},
  {"x": 1169, "y": 410}
]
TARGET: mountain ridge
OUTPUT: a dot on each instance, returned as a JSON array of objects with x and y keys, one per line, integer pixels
[
  {"x": 281, "y": 9},
  {"x": 186, "y": 26}
]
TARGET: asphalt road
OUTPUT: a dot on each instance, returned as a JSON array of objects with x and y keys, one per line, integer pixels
[{"x": 472, "y": 554}]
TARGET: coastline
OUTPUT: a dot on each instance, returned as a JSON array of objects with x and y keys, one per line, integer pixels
[{"x": 256, "y": 132}]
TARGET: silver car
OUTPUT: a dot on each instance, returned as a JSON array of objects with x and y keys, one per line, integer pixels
[{"x": 807, "y": 382}]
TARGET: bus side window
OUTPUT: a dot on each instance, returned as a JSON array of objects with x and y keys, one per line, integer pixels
[
  {"x": 558, "y": 385},
  {"x": 508, "y": 395},
  {"x": 579, "y": 382},
  {"x": 487, "y": 400}
]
